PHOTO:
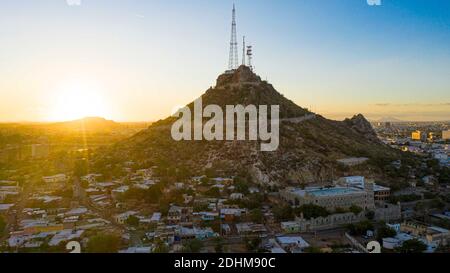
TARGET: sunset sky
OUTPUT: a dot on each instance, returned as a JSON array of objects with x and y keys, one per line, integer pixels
[{"x": 138, "y": 60}]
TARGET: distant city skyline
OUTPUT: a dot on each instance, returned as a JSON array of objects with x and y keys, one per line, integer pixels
[{"x": 139, "y": 60}]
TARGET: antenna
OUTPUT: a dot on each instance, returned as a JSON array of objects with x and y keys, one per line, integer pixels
[
  {"x": 243, "y": 50},
  {"x": 250, "y": 56},
  {"x": 233, "y": 58}
]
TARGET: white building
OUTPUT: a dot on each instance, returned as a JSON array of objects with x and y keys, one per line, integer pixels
[
  {"x": 381, "y": 193},
  {"x": 156, "y": 217},
  {"x": 331, "y": 197},
  {"x": 236, "y": 196},
  {"x": 58, "y": 178},
  {"x": 292, "y": 243}
]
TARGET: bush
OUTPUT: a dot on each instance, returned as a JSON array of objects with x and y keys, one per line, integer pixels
[
  {"x": 412, "y": 246},
  {"x": 252, "y": 244},
  {"x": 192, "y": 246},
  {"x": 133, "y": 221},
  {"x": 360, "y": 228},
  {"x": 283, "y": 213},
  {"x": 312, "y": 211},
  {"x": 256, "y": 216},
  {"x": 103, "y": 243},
  {"x": 2, "y": 224},
  {"x": 385, "y": 232},
  {"x": 355, "y": 209}
]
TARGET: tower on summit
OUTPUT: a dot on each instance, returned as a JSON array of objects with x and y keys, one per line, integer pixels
[
  {"x": 250, "y": 57},
  {"x": 233, "y": 58},
  {"x": 243, "y": 50}
]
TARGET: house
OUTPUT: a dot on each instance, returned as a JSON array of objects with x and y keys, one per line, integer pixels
[
  {"x": 188, "y": 198},
  {"x": 8, "y": 188},
  {"x": 178, "y": 214},
  {"x": 429, "y": 180},
  {"x": 119, "y": 191},
  {"x": 207, "y": 215},
  {"x": 221, "y": 187},
  {"x": 4, "y": 208},
  {"x": 291, "y": 226},
  {"x": 156, "y": 217},
  {"x": 179, "y": 185},
  {"x": 105, "y": 185},
  {"x": 229, "y": 214},
  {"x": 387, "y": 212},
  {"x": 438, "y": 235},
  {"x": 292, "y": 243},
  {"x": 47, "y": 198},
  {"x": 236, "y": 196},
  {"x": 226, "y": 229},
  {"x": 223, "y": 180},
  {"x": 198, "y": 179},
  {"x": 250, "y": 228},
  {"x": 195, "y": 233},
  {"x": 122, "y": 217},
  {"x": 58, "y": 178},
  {"x": 380, "y": 193},
  {"x": 64, "y": 236},
  {"x": 77, "y": 211},
  {"x": 91, "y": 178}
]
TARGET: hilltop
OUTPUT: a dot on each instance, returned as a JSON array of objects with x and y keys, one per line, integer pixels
[{"x": 309, "y": 143}]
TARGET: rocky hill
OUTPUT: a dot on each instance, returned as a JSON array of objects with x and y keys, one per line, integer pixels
[{"x": 309, "y": 143}]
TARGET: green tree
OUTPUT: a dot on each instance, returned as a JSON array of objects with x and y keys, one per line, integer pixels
[
  {"x": 283, "y": 213},
  {"x": 2, "y": 225},
  {"x": 256, "y": 216},
  {"x": 385, "y": 232},
  {"x": 132, "y": 221},
  {"x": 161, "y": 247},
  {"x": 312, "y": 211},
  {"x": 412, "y": 246},
  {"x": 241, "y": 185},
  {"x": 213, "y": 192},
  {"x": 252, "y": 244},
  {"x": 103, "y": 243},
  {"x": 360, "y": 228},
  {"x": 370, "y": 214},
  {"x": 312, "y": 249},
  {"x": 218, "y": 244},
  {"x": 355, "y": 209},
  {"x": 204, "y": 180},
  {"x": 192, "y": 246}
]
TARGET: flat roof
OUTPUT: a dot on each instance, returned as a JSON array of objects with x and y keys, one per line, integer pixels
[
  {"x": 292, "y": 240},
  {"x": 326, "y": 191}
]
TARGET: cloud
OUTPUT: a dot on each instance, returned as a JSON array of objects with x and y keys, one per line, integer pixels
[
  {"x": 140, "y": 15},
  {"x": 73, "y": 2}
]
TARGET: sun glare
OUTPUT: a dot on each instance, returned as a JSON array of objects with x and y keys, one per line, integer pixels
[{"x": 76, "y": 101}]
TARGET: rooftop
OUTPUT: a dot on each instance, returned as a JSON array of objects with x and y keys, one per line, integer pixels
[{"x": 325, "y": 191}]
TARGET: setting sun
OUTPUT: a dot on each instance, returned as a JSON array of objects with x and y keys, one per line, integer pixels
[{"x": 77, "y": 100}]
